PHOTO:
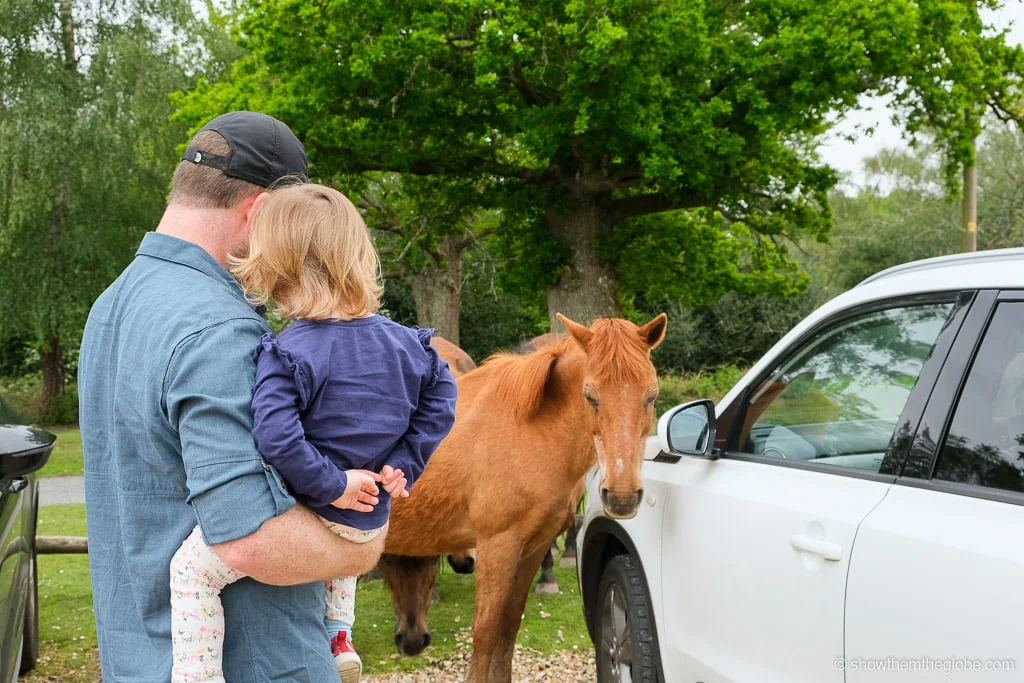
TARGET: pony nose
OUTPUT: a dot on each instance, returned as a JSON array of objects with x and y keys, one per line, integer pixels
[
  {"x": 624, "y": 506},
  {"x": 412, "y": 645}
]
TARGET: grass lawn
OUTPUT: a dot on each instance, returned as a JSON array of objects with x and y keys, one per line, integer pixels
[
  {"x": 68, "y": 650},
  {"x": 66, "y": 459},
  {"x": 66, "y": 622}
]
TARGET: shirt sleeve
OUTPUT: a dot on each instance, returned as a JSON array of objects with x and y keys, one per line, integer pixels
[
  {"x": 207, "y": 395},
  {"x": 432, "y": 420},
  {"x": 283, "y": 388}
]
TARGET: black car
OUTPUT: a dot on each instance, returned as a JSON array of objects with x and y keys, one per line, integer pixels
[{"x": 23, "y": 450}]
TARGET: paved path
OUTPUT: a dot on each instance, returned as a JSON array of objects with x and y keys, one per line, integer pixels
[{"x": 61, "y": 490}]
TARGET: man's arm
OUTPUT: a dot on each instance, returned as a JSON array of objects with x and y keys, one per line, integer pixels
[
  {"x": 295, "y": 548},
  {"x": 241, "y": 505}
]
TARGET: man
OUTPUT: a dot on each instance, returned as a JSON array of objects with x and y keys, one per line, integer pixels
[{"x": 165, "y": 383}]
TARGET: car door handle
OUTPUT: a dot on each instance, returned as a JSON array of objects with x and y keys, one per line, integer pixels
[
  {"x": 817, "y": 546},
  {"x": 17, "y": 484}
]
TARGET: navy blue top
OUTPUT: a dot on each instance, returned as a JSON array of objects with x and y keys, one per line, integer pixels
[{"x": 333, "y": 395}]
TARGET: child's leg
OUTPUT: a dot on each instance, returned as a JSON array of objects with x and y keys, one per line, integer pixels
[
  {"x": 340, "y": 612},
  {"x": 197, "y": 616}
]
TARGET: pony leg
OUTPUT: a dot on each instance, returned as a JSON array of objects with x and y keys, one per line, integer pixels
[
  {"x": 568, "y": 556},
  {"x": 547, "y": 585},
  {"x": 501, "y": 662},
  {"x": 497, "y": 563}
]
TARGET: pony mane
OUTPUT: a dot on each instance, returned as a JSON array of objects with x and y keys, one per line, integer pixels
[
  {"x": 616, "y": 352},
  {"x": 520, "y": 381}
]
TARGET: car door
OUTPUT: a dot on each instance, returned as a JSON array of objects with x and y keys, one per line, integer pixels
[
  {"x": 935, "y": 583},
  {"x": 756, "y": 544},
  {"x": 11, "y": 574}
]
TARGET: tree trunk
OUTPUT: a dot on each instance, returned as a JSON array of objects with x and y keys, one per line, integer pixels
[
  {"x": 437, "y": 292},
  {"x": 969, "y": 240},
  {"x": 586, "y": 288},
  {"x": 51, "y": 359},
  {"x": 53, "y": 373}
]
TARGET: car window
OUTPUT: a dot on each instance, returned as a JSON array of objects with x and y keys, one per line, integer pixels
[
  {"x": 985, "y": 444},
  {"x": 837, "y": 400}
]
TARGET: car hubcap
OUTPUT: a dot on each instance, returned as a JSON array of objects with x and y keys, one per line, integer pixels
[{"x": 616, "y": 638}]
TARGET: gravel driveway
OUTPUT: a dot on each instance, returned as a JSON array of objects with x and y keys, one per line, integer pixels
[{"x": 529, "y": 666}]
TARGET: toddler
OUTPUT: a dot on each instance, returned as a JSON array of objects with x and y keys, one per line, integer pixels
[{"x": 347, "y": 405}]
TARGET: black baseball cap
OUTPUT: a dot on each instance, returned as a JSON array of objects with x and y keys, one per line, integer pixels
[{"x": 263, "y": 150}]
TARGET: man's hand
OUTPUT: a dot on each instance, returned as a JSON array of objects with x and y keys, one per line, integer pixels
[
  {"x": 360, "y": 493},
  {"x": 393, "y": 481}
]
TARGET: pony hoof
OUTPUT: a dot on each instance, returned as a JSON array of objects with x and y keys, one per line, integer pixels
[
  {"x": 547, "y": 589},
  {"x": 567, "y": 562},
  {"x": 435, "y": 597}
]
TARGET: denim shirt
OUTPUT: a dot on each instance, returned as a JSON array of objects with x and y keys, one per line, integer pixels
[{"x": 165, "y": 384}]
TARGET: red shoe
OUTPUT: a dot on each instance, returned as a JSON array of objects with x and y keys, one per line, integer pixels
[{"x": 350, "y": 667}]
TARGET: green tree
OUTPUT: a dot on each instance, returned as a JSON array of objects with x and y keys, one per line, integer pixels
[
  {"x": 1001, "y": 187},
  {"x": 610, "y": 110},
  {"x": 88, "y": 148},
  {"x": 423, "y": 229}
]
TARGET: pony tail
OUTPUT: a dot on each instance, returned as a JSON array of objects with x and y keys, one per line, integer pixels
[{"x": 523, "y": 381}]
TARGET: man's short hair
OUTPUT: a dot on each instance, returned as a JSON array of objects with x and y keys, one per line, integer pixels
[{"x": 203, "y": 187}]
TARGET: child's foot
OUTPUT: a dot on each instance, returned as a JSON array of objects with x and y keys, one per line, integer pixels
[{"x": 350, "y": 667}]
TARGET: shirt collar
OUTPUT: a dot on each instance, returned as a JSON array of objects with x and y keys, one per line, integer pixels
[{"x": 176, "y": 250}]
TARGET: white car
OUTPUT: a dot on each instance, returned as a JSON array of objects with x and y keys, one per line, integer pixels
[{"x": 852, "y": 510}]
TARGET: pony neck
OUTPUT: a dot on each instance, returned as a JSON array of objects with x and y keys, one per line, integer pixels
[{"x": 568, "y": 410}]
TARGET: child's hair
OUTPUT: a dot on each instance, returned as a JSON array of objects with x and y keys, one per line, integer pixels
[{"x": 310, "y": 251}]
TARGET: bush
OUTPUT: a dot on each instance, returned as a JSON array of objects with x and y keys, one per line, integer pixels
[
  {"x": 493, "y": 319},
  {"x": 712, "y": 385},
  {"x": 735, "y": 330},
  {"x": 24, "y": 394}
]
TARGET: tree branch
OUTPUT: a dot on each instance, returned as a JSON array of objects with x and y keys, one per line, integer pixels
[
  {"x": 475, "y": 237},
  {"x": 644, "y": 204},
  {"x": 529, "y": 93},
  {"x": 430, "y": 166},
  {"x": 405, "y": 250}
]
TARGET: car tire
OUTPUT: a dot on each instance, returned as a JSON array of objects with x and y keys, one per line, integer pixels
[
  {"x": 30, "y": 642},
  {"x": 626, "y": 649}
]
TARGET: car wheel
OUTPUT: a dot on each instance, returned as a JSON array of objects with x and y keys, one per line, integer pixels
[
  {"x": 625, "y": 628},
  {"x": 30, "y": 643}
]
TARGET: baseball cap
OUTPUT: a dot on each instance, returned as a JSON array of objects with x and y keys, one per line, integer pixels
[{"x": 263, "y": 150}]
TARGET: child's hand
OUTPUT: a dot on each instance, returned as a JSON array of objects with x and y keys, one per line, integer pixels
[
  {"x": 393, "y": 481},
  {"x": 360, "y": 493}
]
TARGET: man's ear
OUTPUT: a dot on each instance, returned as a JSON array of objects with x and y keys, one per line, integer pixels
[{"x": 249, "y": 207}]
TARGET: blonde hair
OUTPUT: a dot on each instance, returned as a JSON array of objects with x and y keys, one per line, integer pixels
[{"x": 310, "y": 251}]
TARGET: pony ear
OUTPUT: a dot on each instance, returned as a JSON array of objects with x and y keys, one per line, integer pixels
[
  {"x": 653, "y": 333},
  {"x": 580, "y": 333}
]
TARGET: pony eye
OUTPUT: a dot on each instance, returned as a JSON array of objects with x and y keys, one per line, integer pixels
[
  {"x": 650, "y": 401},
  {"x": 591, "y": 400}
]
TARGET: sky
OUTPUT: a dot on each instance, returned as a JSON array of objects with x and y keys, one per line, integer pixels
[{"x": 847, "y": 157}]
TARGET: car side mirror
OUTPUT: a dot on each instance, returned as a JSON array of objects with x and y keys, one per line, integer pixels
[
  {"x": 689, "y": 429},
  {"x": 23, "y": 450}
]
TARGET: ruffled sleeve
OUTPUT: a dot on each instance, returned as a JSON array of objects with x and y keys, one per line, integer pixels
[
  {"x": 280, "y": 394},
  {"x": 270, "y": 352},
  {"x": 434, "y": 361},
  {"x": 433, "y": 417}
]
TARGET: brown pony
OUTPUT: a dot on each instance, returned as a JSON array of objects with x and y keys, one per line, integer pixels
[{"x": 507, "y": 478}]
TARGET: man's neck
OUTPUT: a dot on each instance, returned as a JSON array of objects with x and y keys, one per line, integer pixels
[{"x": 214, "y": 230}]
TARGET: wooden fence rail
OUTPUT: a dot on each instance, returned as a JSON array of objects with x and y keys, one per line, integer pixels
[{"x": 53, "y": 545}]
